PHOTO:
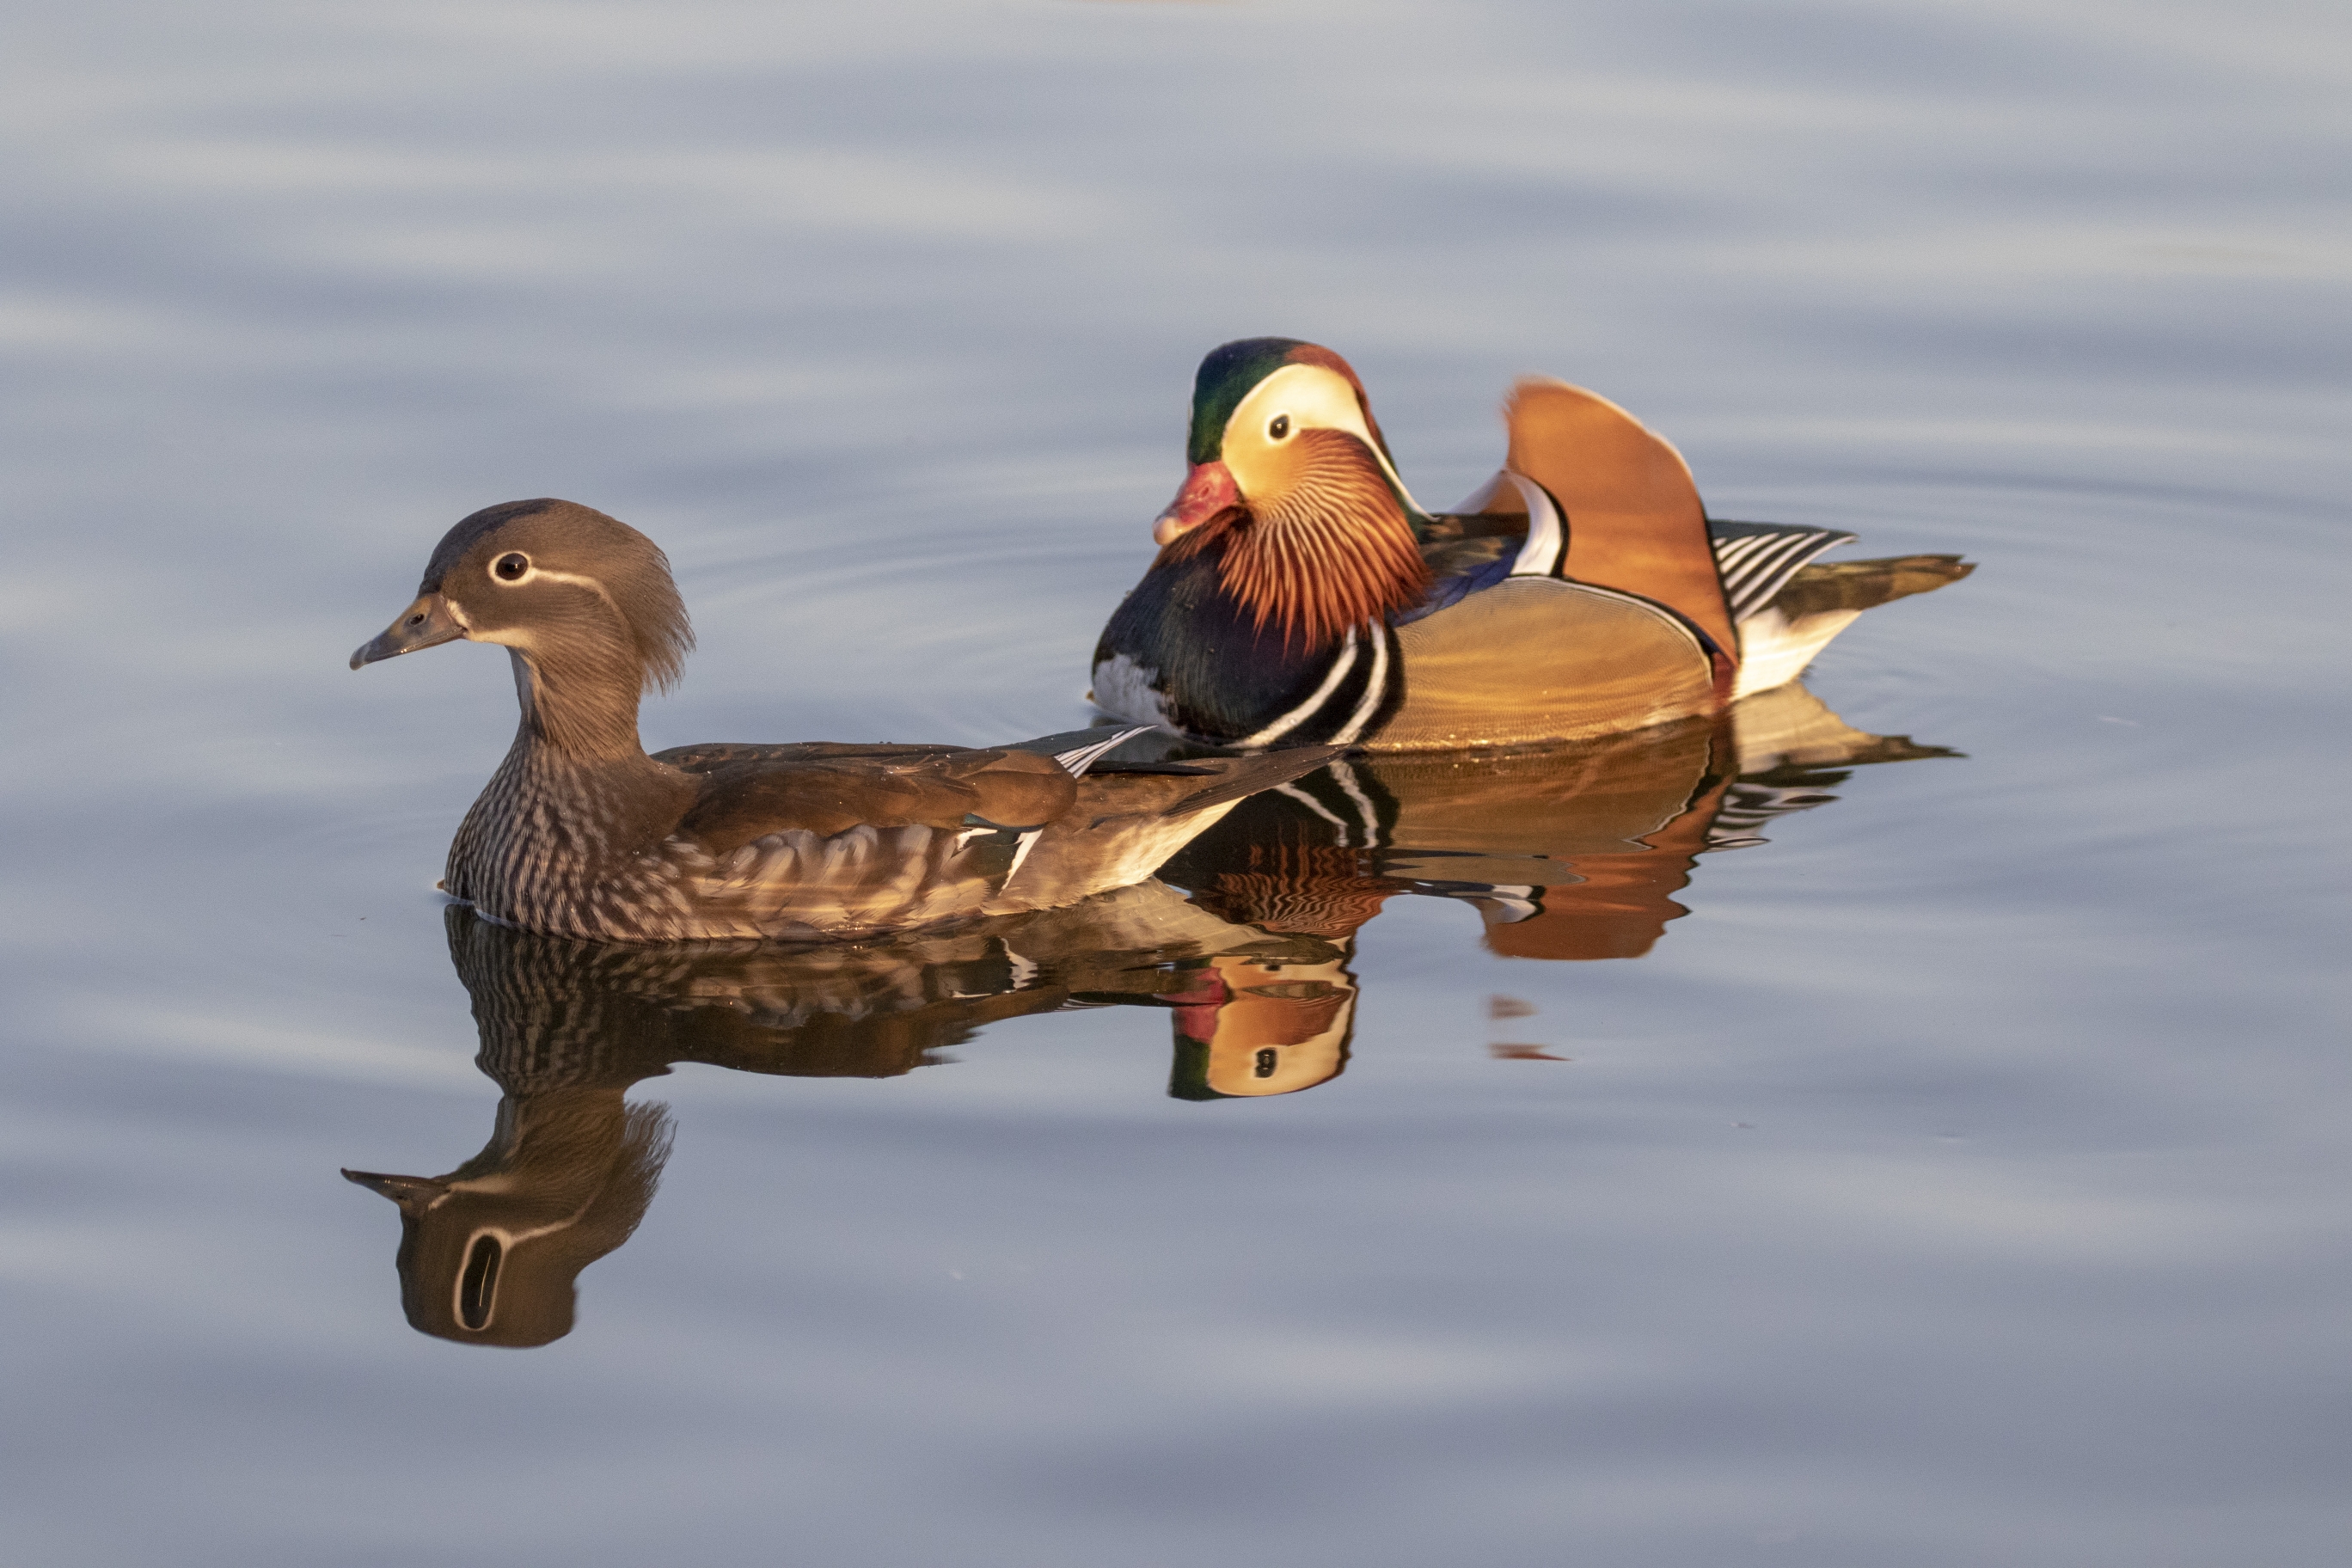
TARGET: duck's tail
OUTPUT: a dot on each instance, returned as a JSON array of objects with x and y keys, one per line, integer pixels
[{"x": 1780, "y": 637}]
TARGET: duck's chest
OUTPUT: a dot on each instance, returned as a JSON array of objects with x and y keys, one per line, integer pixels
[
  {"x": 1182, "y": 651},
  {"x": 572, "y": 851}
]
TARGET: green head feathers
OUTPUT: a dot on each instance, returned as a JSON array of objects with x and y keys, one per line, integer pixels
[
  {"x": 1225, "y": 378},
  {"x": 1228, "y": 375}
]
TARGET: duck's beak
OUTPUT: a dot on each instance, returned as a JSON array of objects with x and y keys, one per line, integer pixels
[
  {"x": 1207, "y": 490},
  {"x": 411, "y": 1193},
  {"x": 423, "y": 624}
]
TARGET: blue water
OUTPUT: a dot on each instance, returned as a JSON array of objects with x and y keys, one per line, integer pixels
[{"x": 1961, "y": 1179}]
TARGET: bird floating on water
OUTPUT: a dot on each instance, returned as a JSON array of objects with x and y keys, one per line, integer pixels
[
  {"x": 580, "y": 833},
  {"x": 1302, "y": 595}
]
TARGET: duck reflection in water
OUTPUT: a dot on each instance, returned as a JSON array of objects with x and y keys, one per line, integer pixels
[
  {"x": 488, "y": 1253},
  {"x": 1573, "y": 852},
  {"x": 1569, "y": 852}
]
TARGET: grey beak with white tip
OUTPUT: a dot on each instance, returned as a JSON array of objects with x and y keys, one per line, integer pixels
[
  {"x": 411, "y": 1193},
  {"x": 425, "y": 623}
]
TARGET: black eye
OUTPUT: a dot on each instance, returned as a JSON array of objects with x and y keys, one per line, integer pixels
[
  {"x": 1278, "y": 428},
  {"x": 511, "y": 567}
]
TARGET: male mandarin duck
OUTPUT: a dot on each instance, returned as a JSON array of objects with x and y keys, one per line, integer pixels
[
  {"x": 1302, "y": 595},
  {"x": 580, "y": 833}
]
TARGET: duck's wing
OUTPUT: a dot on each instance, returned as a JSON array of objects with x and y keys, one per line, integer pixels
[
  {"x": 819, "y": 839},
  {"x": 1075, "y": 750},
  {"x": 1588, "y": 494},
  {"x": 1078, "y": 751},
  {"x": 1634, "y": 518},
  {"x": 1460, "y": 566},
  {"x": 1510, "y": 527},
  {"x": 716, "y": 756},
  {"x": 1124, "y": 826},
  {"x": 831, "y": 842},
  {"x": 825, "y": 786},
  {"x": 828, "y": 790},
  {"x": 1534, "y": 658}
]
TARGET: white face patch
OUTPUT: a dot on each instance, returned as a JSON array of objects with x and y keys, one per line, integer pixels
[{"x": 1296, "y": 397}]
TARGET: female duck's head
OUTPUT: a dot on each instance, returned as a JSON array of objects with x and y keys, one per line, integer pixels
[
  {"x": 1291, "y": 479},
  {"x": 558, "y": 581},
  {"x": 584, "y": 602},
  {"x": 489, "y": 1253}
]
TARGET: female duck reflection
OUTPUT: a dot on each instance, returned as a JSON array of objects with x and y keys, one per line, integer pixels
[
  {"x": 1570, "y": 852},
  {"x": 489, "y": 1251}
]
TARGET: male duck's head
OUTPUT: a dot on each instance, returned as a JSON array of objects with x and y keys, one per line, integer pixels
[
  {"x": 563, "y": 586},
  {"x": 1291, "y": 479}
]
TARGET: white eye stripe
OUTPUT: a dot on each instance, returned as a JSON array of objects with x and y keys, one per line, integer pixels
[
  {"x": 1314, "y": 397},
  {"x": 534, "y": 573}
]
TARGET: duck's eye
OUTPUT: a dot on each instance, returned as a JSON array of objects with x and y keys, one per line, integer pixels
[
  {"x": 511, "y": 567},
  {"x": 1277, "y": 427}
]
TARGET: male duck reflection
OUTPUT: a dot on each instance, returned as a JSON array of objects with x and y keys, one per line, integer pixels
[
  {"x": 1301, "y": 594},
  {"x": 1578, "y": 851},
  {"x": 490, "y": 1252},
  {"x": 582, "y": 834}
]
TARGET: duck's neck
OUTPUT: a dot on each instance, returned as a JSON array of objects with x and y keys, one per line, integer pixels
[
  {"x": 582, "y": 712},
  {"x": 575, "y": 795},
  {"x": 565, "y": 1138}
]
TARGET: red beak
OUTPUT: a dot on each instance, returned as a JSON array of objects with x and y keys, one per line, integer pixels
[{"x": 1207, "y": 490}]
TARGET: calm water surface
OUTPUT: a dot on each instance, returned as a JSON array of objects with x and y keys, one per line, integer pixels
[{"x": 1956, "y": 1176}]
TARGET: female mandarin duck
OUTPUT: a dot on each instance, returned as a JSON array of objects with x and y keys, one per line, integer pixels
[
  {"x": 1301, "y": 594},
  {"x": 581, "y": 834}
]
